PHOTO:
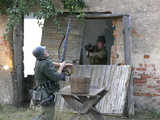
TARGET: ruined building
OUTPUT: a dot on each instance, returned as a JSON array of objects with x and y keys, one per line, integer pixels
[{"x": 131, "y": 28}]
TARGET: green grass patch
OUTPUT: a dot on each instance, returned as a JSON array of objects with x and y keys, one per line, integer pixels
[{"x": 9, "y": 112}]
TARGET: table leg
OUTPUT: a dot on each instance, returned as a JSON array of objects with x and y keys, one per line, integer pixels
[
  {"x": 101, "y": 94},
  {"x": 73, "y": 102},
  {"x": 88, "y": 103},
  {"x": 85, "y": 106}
]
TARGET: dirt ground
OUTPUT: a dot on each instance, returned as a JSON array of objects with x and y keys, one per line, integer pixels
[{"x": 8, "y": 112}]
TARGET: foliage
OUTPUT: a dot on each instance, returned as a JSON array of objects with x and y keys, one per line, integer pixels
[
  {"x": 16, "y": 9},
  {"x": 4, "y": 5},
  {"x": 73, "y": 5},
  {"x": 155, "y": 114}
]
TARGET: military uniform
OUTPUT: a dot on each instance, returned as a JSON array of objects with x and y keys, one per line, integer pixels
[
  {"x": 98, "y": 57},
  {"x": 46, "y": 73}
]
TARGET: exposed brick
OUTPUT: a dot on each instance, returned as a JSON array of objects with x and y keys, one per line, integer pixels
[
  {"x": 139, "y": 84},
  {"x": 6, "y": 87},
  {"x": 145, "y": 94},
  {"x": 143, "y": 77},
  {"x": 141, "y": 69},
  {"x": 149, "y": 86},
  {"x": 140, "y": 65},
  {"x": 146, "y": 56},
  {"x": 140, "y": 81},
  {"x": 136, "y": 94},
  {"x": 155, "y": 95}
]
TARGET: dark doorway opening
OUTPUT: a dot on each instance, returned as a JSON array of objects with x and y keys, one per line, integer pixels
[{"x": 95, "y": 28}]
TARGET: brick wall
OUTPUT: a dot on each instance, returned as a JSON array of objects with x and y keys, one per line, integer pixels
[
  {"x": 117, "y": 50},
  {"x": 51, "y": 38},
  {"x": 147, "y": 86},
  {"x": 5, "y": 60}
]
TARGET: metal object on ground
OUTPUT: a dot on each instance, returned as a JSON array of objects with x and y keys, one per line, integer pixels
[{"x": 80, "y": 85}]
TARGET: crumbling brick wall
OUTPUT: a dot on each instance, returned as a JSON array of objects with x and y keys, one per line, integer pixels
[
  {"x": 6, "y": 88},
  {"x": 11, "y": 63},
  {"x": 51, "y": 38},
  {"x": 117, "y": 50}
]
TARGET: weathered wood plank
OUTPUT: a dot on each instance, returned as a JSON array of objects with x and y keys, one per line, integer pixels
[{"x": 114, "y": 78}]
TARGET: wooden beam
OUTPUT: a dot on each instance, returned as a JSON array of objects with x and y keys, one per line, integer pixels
[
  {"x": 128, "y": 61},
  {"x": 131, "y": 103},
  {"x": 104, "y": 16},
  {"x": 127, "y": 39},
  {"x": 18, "y": 68}
]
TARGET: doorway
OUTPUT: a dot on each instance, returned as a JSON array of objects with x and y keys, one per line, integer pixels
[
  {"x": 95, "y": 28},
  {"x": 113, "y": 29},
  {"x": 32, "y": 39}
]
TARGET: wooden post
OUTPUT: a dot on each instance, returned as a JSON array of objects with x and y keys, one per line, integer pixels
[
  {"x": 127, "y": 40},
  {"x": 18, "y": 67}
]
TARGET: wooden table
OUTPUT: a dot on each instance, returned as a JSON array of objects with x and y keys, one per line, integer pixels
[{"x": 84, "y": 104}]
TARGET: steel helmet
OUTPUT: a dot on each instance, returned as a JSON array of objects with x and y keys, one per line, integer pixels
[{"x": 39, "y": 51}]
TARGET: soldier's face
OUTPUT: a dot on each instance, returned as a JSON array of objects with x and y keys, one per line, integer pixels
[
  {"x": 100, "y": 45},
  {"x": 46, "y": 54}
]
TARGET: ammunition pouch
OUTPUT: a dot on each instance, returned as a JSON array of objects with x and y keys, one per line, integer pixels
[{"x": 41, "y": 96}]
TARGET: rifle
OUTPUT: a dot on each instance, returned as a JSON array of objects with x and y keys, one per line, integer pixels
[
  {"x": 64, "y": 49},
  {"x": 65, "y": 41}
]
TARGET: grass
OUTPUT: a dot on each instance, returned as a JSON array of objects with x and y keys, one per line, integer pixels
[
  {"x": 8, "y": 112},
  {"x": 155, "y": 115}
]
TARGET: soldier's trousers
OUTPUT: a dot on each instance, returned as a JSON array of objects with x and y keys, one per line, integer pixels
[{"x": 47, "y": 113}]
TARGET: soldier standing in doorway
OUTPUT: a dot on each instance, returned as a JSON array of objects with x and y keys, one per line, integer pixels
[
  {"x": 97, "y": 54},
  {"x": 47, "y": 82}
]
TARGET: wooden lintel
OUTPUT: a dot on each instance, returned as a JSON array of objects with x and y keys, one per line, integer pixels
[{"x": 104, "y": 16}]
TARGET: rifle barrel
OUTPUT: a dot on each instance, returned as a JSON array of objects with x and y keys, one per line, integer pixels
[{"x": 65, "y": 41}]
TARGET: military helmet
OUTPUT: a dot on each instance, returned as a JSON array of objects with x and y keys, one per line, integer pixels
[
  {"x": 101, "y": 39},
  {"x": 39, "y": 51}
]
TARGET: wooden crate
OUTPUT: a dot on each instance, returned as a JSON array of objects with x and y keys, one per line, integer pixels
[{"x": 80, "y": 85}]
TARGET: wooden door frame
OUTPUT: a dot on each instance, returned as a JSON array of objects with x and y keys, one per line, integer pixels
[{"x": 126, "y": 31}]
